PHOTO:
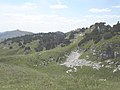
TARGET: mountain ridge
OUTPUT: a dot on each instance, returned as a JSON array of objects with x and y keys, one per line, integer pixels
[
  {"x": 11, "y": 34},
  {"x": 40, "y": 61}
]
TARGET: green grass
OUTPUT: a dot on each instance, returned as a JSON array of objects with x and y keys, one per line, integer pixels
[
  {"x": 18, "y": 50},
  {"x": 54, "y": 77},
  {"x": 100, "y": 46},
  {"x": 27, "y": 72}
]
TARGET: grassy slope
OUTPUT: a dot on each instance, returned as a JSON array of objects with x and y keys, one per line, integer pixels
[
  {"x": 16, "y": 50},
  {"x": 25, "y": 72}
]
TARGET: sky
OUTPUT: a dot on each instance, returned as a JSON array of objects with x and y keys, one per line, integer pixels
[{"x": 56, "y": 15}]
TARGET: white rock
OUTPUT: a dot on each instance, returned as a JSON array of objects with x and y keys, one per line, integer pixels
[
  {"x": 114, "y": 70},
  {"x": 107, "y": 61},
  {"x": 75, "y": 69},
  {"x": 73, "y": 60},
  {"x": 102, "y": 79},
  {"x": 70, "y": 70}
]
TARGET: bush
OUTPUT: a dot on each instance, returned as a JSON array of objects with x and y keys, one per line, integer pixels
[
  {"x": 10, "y": 47},
  {"x": 20, "y": 44},
  {"x": 107, "y": 35}
]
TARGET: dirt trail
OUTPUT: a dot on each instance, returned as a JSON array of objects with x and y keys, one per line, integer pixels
[{"x": 73, "y": 60}]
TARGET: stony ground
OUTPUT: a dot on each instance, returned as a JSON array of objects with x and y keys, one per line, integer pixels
[{"x": 73, "y": 62}]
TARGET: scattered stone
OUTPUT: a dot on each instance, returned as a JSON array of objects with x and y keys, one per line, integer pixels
[
  {"x": 108, "y": 61},
  {"x": 114, "y": 70},
  {"x": 68, "y": 71},
  {"x": 102, "y": 80},
  {"x": 73, "y": 69},
  {"x": 111, "y": 63},
  {"x": 73, "y": 60},
  {"x": 108, "y": 66},
  {"x": 35, "y": 65}
]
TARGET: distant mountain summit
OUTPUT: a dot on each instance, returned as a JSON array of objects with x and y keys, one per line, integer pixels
[{"x": 14, "y": 33}]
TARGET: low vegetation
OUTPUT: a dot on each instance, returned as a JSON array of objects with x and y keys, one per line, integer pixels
[{"x": 24, "y": 68}]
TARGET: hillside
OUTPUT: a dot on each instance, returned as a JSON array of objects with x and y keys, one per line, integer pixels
[
  {"x": 83, "y": 59},
  {"x": 30, "y": 44},
  {"x": 103, "y": 41},
  {"x": 11, "y": 34}
]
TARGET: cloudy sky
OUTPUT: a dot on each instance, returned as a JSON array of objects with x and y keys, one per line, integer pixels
[{"x": 56, "y": 15}]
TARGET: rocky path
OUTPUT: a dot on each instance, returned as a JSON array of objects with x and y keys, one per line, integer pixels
[{"x": 73, "y": 60}]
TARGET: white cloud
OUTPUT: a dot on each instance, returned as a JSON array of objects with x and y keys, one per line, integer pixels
[
  {"x": 96, "y": 10},
  {"x": 26, "y": 8},
  {"x": 28, "y": 5},
  {"x": 59, "y": 2},
  {"x": 58, "y": 6},
  {"x": 38, "y": 23},
  {"x": 23, "y": 17},
  {"x": 116, "y": 6},
  {"x": 50, "y": 23},
  {"x": 109, "y": 19}
]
